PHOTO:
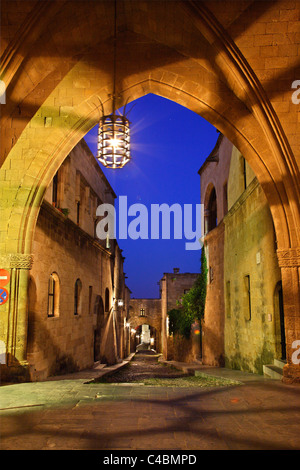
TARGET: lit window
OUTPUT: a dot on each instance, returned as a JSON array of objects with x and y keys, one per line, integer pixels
[
  {"x": 142, "y": 312},
  {"x": 53, "y": 295}
]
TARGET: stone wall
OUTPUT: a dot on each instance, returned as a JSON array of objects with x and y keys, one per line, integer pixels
[
  {"x": 241, "y": 326},
  {"x": 152, "y": 312},
  {"x": 68, "y": 338},
  {"x": 213, "y": 324},
  {"x": 251, "y": 274},
  {"x": 173, "y": 286},
  {"x": 62, "y": 248},
  {"x": 80, "y": 180},
  {"x": 214, "y": 173}
]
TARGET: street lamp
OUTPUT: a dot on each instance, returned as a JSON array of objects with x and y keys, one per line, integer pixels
[{"x": 114, "y": 129}]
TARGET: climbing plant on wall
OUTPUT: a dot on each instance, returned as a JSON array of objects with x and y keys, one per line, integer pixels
[
  {"x": 192, "y": 304},
  {"x": 179, "y": 322}
]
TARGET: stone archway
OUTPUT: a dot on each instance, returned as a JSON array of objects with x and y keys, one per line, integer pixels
[
  {"x": 154, "y": 332},
  {"x": 147, "y": 337},
  {"x": 195, "y": 58},
  {"x": 99, "y": 311}
]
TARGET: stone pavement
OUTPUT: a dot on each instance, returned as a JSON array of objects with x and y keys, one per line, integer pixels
[
  {"x": 69, "y": 413},
  {"x": 198, "y": 368}
]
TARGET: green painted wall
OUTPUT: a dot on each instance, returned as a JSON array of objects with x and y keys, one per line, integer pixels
[{"x": 251, "y": 323}]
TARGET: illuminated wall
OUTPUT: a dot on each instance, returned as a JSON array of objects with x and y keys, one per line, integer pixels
[
  {"x": 251, "y": 273},
  {"x": 73, "y": 318}
]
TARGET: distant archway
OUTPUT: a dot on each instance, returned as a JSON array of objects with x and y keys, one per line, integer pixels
[{"x": 147, "y": 337}]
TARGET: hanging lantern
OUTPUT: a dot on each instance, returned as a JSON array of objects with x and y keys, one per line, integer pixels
[
  {"x": 114, "y": 141},
  {"x": 114, "y": 131}
]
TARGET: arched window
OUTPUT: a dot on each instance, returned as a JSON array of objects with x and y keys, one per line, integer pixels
[
  {"x": 77, "y": 297},
  {"x": 106, "y": 300},
  {"x": 211, "y": 212},
  {"x": 53, "y": 295}
]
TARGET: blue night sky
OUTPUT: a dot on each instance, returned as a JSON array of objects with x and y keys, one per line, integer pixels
[{"x": 169, "y": 143}]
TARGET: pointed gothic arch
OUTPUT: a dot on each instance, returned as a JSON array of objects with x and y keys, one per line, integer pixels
[{"x": 204, "y": 70}]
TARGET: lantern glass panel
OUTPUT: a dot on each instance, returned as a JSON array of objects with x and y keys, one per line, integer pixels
[{"x": 114, "y": 141}]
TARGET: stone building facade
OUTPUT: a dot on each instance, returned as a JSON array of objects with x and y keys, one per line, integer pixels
[
  {"x": 172, "y": 287},
  {"x": 252, "y": 279},
  {"x": 154, "y": 312},
  {"x": 243, "y": 325},
  {"x": 77, "y": 281},
  {"x": 214, "y": 180}
]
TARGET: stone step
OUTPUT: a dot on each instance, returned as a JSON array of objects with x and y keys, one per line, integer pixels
[
  {"x": 272, "y": 371},
  {"x": 98, "y": 365},
  {"x": 279, "y": 363}
]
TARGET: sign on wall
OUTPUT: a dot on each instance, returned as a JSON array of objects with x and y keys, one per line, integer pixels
[
  {"x": 4, "y": 277},
  {"x": 4, "y": 280},
  {"x": 3, "y": 296}
]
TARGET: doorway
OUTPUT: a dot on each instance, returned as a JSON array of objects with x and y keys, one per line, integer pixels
[
  {"x": 279, "y": 322},
  {"x": 99, "y": 312}
]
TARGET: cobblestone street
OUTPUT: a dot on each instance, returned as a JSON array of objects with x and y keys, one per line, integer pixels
[
  {"x": 149, "y": 228},
  {"x": 81, "y": 414},
  {"x": 144, "y": 366}
]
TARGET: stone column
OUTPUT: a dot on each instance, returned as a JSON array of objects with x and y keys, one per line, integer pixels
[
  {"x": 289, "y": 262},
  {"x": 15, "y": 316}
]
